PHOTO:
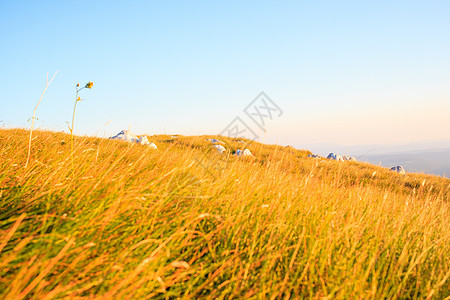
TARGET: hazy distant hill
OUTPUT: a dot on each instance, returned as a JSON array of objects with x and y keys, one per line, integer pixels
[
  {"x": 431, "y": 157},
  {"x": 431, "y": 161},
  {"x": 372, "y": 149}
]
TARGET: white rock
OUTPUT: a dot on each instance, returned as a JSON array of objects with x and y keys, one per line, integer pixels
[
  {"x": 220, "y": 148},
  {"x": 126, "y": 135},
  {"x": 398, "y": 169},
  {"x": 334, "y": 156},
  {"x": 143, "y": 140},
  {"x": 348, "y": 158},
  {"x": 213, "y": 141},
  {"x": 245, "y": 152}
]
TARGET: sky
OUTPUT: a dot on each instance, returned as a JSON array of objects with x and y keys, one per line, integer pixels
[{"x": 343, "y": 72}]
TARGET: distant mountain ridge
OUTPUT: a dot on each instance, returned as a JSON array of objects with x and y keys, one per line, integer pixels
[
  {"x": 425, "y": 146},
  {"x": 434, "y": 161},
  {"x": 430, "y": 157}
]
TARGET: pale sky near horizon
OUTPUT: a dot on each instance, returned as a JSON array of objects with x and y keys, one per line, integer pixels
[{"x": 346, "y": 72}]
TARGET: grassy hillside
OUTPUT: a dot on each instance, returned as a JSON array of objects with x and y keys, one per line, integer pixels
[{"x": 182, "y": 221}]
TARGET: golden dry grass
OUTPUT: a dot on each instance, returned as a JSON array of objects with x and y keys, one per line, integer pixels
[{"x": 182, "y": 221}]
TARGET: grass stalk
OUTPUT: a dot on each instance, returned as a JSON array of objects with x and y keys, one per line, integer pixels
[{"x": 34, "y": 117}]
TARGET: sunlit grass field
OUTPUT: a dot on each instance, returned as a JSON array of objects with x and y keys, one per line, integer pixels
[{"x": 182, "y": 221}]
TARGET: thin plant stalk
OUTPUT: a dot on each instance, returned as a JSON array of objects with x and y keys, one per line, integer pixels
[
  {"x": 34, "y": 117},
  {"x": 71, "y": 129},
  {"x": 77, "y": 98}
]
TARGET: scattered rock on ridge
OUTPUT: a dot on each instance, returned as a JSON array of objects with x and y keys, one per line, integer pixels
[
  {"x": 220, "y": 148},
  {"x": 143, "y": 140},
  {"x": 245, "y": 152},
  {"x": 334, "y": 156},
  {"x": 128, "y": 136},
  {"x": 215, "y": 141},
  {"x": 349, "y": 158},
  {"x": 152, "y": 145},
  {"x": 398, "y": 169}
]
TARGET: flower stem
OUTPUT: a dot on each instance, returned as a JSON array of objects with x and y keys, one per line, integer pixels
[{"x": 71, "y": 129}]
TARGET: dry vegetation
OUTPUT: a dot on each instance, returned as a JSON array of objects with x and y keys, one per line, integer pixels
[{"x": 182, "y": 221}]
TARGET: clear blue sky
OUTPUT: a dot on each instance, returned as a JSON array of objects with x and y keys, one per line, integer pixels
[{"x": 348, "y": 72}]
